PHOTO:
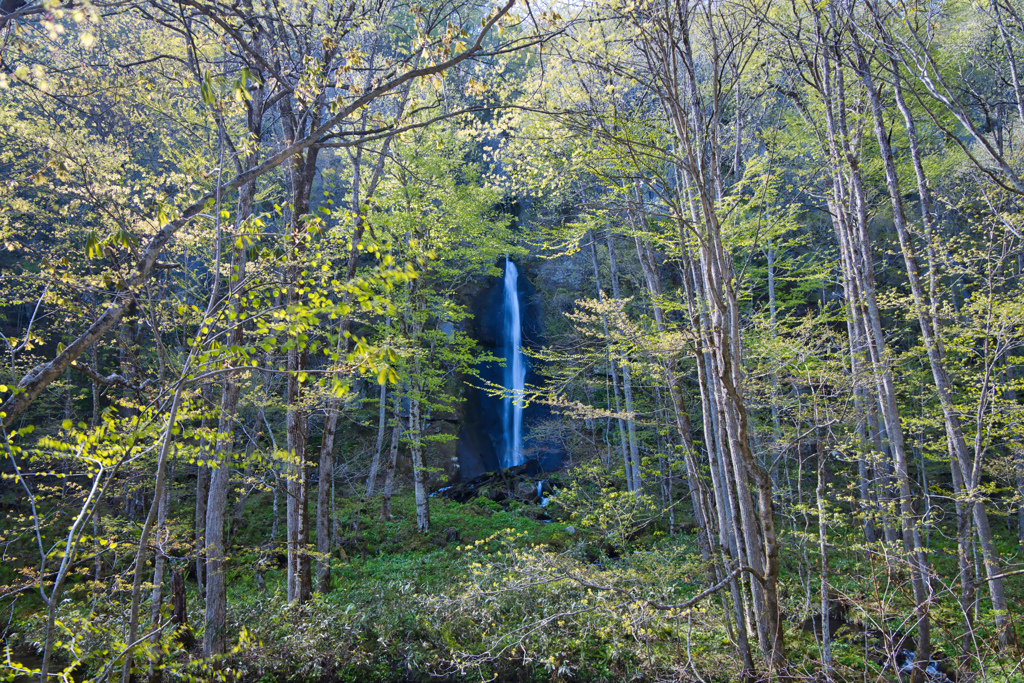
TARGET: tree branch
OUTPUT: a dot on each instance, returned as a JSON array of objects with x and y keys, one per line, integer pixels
[{"x": 36, "y": 380}]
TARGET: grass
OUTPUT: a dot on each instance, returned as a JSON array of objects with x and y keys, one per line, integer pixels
[{"x": 397, "y": 607}]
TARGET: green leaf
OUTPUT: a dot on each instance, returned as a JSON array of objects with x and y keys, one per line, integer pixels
[
  {"x": 92, "y": 245},
  {"x": 206, "y": 90}
]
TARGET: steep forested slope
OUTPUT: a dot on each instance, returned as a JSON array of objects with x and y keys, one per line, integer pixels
[{"x": 259, "y": 267}]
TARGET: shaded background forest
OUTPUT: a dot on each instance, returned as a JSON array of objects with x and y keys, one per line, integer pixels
[{"x": 769, "y": 261}]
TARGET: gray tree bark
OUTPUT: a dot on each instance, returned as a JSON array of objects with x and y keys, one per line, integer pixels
[
  {"x": 378, "y": 448},
  {"x": 927, "y": 314},
  {"x": 392, "y": 461},
  {"x": 620, "y": 422},
  {"x": 627, "y": 378}
]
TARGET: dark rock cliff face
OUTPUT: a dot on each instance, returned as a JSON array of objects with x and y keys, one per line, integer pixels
[{"x": 481, "y": 440}]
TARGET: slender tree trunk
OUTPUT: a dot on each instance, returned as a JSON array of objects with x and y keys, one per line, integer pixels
[
  {"x": 392, "y": 462},
  {"x": 159, "y": 569},
  {"x": 826, "y": 634},
  {"x": 964, "y": 563},
  {"x": 140, "y": 555},
  {"x": 297, "y": 526},
  {"x": 675, "y": 390},
  {"x": 214, "y": 634},
  {"x": 324, "y": 538},
  {"x": 160, "y": 559},
  {"x": 96, "y": 524},
  {"x": 627, "y": 379},
  {"x": 241, "y": 493},
  {"x": 277, "y": 485},
  {"x": 771, "y": 253},
  {"x": 419, "y": 473},
  {"x": 855, "y": 241},
  {"x": 302, "y": 171},
  {"x": 323, "y": 513},
  {"x": 202, "y": 491},
  {"x": 927, "y": 316},
  {"x": 382, "y": 420},
  {"x": 620, "y": 422}
]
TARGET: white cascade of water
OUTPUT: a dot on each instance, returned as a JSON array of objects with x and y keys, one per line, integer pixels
[{"x": 515, "y": 371}]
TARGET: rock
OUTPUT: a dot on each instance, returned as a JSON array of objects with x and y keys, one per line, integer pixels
[
  {"x": 494, "y": 493},
  {"x": 526, "y": 490},
  {"x": 535, "y": 513},
  {"x": 570, "y": 530},
  {"x": 451, "y": 535}
]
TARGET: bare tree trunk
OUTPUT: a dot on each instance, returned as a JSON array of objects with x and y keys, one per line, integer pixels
[
  {"x": 202, "y": 491},
  {"x": 724, "y": 507},
  {"x": 140, "y": 555},
  {"x": 612, "y": 368},
  {"x": 297, "y": 525},
  {"x": 323, "y": 512},
  {"x": 864, "y": 470},
  {"x": 324, "y": 538},
  {"x": 854, "y": 239},
  {"x": 297, "y": 417},
  {"x": 382, "y": 420},
  {"x": 241, "y": 493},
  {"x": 214, "y": 635},
  {"x": 772, "y": 463},
  {"x": 160, "y": 559},
  {"x": 819, "y": 492},
  {"x": 884, "y": 476},
  {"x": 419, "y": 472},
  {"x": 392, "y": 462},
  {"x": 278, "y": 485},
  {"x": 627, "y": 379},
  {"x": 675, "y": 390},
  {"x": 159, "y": 569},
  {"x": 96, "y": 525},
  {"x": 964, "y": 563},
  {"x": 928, "y": 317}
]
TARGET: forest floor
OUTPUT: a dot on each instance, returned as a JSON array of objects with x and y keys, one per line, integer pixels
[{"x": 512, "y": 591}]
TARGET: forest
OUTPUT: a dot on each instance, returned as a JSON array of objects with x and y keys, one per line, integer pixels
[{"x": 511, "y": 340}]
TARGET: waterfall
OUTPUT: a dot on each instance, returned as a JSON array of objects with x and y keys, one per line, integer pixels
[{"x": 515, "y": 371}]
